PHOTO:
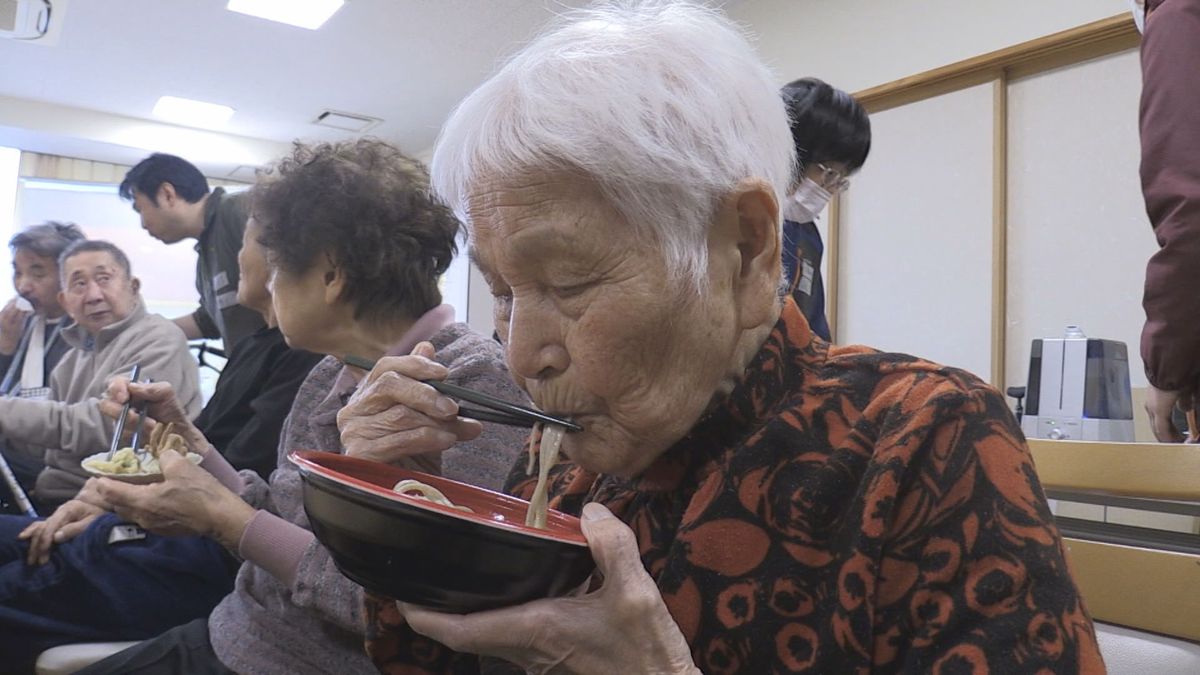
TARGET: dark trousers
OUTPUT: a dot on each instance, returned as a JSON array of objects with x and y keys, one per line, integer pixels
[
  {"x": 94, "y": 591},
  {"x": 183, "y": 650}
]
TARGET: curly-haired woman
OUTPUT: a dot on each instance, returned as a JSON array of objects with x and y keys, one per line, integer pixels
[{"x": 355, "y": 245}]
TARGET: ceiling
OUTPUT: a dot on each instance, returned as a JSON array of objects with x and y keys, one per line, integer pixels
[{"x": 405, "y": 61}]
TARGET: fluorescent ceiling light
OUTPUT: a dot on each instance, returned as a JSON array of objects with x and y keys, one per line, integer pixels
[
  {"x": 192, "y": 113},
  {"x": 198, "y": 146},
  {"x": 308, "y": 14},
  {"x": 67, "y": 186}
]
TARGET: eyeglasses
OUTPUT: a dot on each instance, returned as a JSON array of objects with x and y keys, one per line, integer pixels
[{"x": 831, "y": 179}]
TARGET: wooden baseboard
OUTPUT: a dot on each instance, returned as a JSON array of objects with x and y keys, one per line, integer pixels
[{"x": 1156, "y": 591}]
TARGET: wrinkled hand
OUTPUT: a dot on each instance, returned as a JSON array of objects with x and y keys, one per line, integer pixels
[
  {"x": 65, "y": 524},
  {"x": 12, "y": 324},
  {"x": 394, "y": 415},
  {"x": 90, "y": 494},
  {"x": 1160, "y": 405},
  {"x": 188, "y": 501},
  {"x": 162, "y": 407},
  {"x": 623, "y": 627}
]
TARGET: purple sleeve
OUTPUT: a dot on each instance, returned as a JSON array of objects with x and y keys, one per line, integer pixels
[
  {"x": 275, "y": 545},
  {"x": 220, "y": 468}
]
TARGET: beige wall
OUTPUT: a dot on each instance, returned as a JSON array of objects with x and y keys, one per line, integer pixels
[{"x": 855, "y": 44}]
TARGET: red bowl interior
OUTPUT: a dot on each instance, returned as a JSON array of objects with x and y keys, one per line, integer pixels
[{"x": 489, "y": 508}]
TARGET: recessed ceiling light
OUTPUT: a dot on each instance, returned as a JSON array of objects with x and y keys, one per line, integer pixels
[
  {"x": 346, "y": 121},
  {"x": 244, "y": 173},
  {"x": 191, "y": 113},
  {"x": 308, "y": 14}
]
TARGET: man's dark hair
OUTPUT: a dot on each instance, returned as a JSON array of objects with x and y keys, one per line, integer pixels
[
  {"x": 150, "y": 174},
  {"x": 828, "y": 125},
  {"x": 89, "y": 246},
  {"x": 47, "y": 240},
  {"x": 367, "y": 206}
]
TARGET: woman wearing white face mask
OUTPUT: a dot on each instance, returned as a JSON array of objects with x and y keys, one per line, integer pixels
[{"x": 832, "y": 136}]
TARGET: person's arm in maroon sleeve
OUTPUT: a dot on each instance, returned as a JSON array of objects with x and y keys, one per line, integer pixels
[{"x": 1171, "y": 187}]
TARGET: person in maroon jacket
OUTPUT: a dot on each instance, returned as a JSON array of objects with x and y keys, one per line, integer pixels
[{"x": 1170, "y": 130}]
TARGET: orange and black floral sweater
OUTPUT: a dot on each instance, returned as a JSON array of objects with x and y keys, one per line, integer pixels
[{"x": 842, "y": 511}]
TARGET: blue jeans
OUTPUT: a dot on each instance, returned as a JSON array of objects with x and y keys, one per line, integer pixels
[{"x": 95, "y": 591}]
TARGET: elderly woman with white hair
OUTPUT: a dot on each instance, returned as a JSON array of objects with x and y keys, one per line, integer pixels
[{"x": 756, "y": 500}]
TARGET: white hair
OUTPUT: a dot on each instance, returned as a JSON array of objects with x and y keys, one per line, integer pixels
[{"x": 663, "y": 104}]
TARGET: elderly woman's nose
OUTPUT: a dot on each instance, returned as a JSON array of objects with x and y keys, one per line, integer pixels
[
  {"x": 535, "y": 351},
  {"x": 531, "y": 360}
]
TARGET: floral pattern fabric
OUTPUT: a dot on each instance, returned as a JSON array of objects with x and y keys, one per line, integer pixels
[{"x": 842, "y": 511}]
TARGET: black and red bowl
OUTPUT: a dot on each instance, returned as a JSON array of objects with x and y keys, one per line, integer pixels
[{"x": 428, "y": 554}]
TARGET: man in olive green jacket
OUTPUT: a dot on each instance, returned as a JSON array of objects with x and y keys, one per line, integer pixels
[{"x": 174, "y": 202}]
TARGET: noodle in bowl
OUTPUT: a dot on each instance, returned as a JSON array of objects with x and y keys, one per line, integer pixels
[{"x": 428, "y": 552}]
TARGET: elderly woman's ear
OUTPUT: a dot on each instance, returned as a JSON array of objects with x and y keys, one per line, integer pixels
[
  {"x": 333, "y": 278},
  {"x": 746, "y": 231}
]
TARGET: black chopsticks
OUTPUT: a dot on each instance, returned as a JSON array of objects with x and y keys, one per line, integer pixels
[
  {"x": 501, "y": 412},
  {"x": 120, "y": 428}
]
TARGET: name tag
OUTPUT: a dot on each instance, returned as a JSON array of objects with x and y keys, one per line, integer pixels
[
  {"x": 226, "y": 300},
  {"x": 806, "y": 277},
  {"x": 121, "y": 533}
]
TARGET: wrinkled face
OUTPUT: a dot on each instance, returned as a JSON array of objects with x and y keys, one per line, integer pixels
[
  {"x": 98, "y": 292},
  {"x": 254, "y": 273},
  {"x": 36, "y": 279},
  {"x": 593, "y": 326},
  {"x": 161, "y": 220}
]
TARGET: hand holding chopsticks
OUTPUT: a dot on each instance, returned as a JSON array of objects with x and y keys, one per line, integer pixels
[
  {"x": 494, "y": 409},
  {"x": 155, "y": 400},
  {"x": 398, "y": 415}
]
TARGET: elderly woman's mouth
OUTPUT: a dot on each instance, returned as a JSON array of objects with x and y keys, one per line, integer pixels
[{"x": 577, "y": 418}]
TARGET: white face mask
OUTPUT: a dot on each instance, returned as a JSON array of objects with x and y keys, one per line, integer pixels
[{"x": 807, "y": 202}]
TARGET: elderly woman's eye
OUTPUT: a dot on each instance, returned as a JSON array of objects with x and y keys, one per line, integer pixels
[{"x": 571, "y": 290}]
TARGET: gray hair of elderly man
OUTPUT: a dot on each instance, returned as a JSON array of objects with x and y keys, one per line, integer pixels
[
  {"x": 93, "y": 246},
  {"x": 47, "y": 240},
  {"x": 663, "y": 104}
]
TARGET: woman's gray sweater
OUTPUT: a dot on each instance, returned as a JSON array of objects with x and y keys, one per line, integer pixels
[{"x": 291, "y": 612}]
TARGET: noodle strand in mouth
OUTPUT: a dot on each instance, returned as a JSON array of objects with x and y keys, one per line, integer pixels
[{"x": 552, "y": 436}]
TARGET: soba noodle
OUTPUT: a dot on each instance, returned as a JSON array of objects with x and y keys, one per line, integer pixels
[
  {"x": 552, "y": 436},
  {"x": 538, "y": 510},
  {"x": 415, "y": 488}
]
